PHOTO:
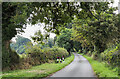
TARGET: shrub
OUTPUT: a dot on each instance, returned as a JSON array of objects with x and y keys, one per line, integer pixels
[
  {"x": 111, "y": 56},
  {"x": 36, "y": 56},
  {"x": 94, "y": 55},
  {"x": 89, "y": 53},
  {"x": 39, "y": 55},
  {"x": 53, "y": 53}
]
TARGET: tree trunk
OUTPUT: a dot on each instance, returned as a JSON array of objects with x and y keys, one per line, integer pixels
[
  {"x": 8, "y": 56},
  {"x": 69, "y": 52},
  {"x": 5, "y": 54}
]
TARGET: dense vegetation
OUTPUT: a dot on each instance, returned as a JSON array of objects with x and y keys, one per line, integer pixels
[
  {"x": 100, "y": 36},
  {"x": 43, "y": 70},
  {"x": 36, "y": 56},
  {"x": 65, "y": 40},
  {"x": 88, "y": 27},
  {"x": 30, "y": 55},
  {"x": 102, "y": 70},
  {"x": 19, "y": 45}
]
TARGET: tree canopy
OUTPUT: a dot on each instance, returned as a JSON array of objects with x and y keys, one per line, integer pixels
[
  {"x": 53, "y": 14},
  {"x": 98, "y": 31},
  {"x": 64, "y": 39},
  {"x": 95, "y": 21}
]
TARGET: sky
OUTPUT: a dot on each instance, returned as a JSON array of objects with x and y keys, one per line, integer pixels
[
  {"x": 31, "y": 29},
  {"x": 115, "y": 4}
]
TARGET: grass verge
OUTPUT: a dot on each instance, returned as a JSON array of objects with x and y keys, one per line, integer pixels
[
  {"x": 43, "y": 70},
  {"x": 100, "y": 68}
]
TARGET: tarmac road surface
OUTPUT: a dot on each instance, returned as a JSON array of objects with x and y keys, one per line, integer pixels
[{"x": 80, "y": 67}]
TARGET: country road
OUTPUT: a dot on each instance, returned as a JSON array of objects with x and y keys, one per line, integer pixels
[{"x": 80, "y": 67}]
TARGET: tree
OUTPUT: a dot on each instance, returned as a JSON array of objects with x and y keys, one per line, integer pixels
[
  {"x": 64, "y": 40},
  {"x": 13, "y": 16},
  {"x": 50, "y": 42},
  {"x": 99, "y": 31},
  {"x": 53, "y": 14},
  {"x": 77, "y": 46},
  {"x": 20, "y": 44},
  {"x": 40, "y": 38}
]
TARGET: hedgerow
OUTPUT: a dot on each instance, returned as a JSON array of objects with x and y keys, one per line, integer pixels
[
  {"x": 53, "y": 53},
  {"x": 111, "y": 56},
  {"x": 36, "y": 56},
  {"x": 43, "y": 55}
]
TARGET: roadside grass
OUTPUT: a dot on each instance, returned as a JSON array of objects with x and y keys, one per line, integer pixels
[
  {"x": 43, "y": 70},
  {"x": 101, "y": 69}
]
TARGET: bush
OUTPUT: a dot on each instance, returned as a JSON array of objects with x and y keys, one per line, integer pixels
[
  {"x": 111, "y": 56},
  {"x": 53, "y": 53},
  {"x": 35, "y": 56},
  {"x": 39, "y": 55},
  {"x": 89, "y": 53},
  {"x": 94, "y": 55}
]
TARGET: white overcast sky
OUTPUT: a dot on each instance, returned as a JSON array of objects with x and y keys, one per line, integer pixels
[{"x": 31, "y": 29}]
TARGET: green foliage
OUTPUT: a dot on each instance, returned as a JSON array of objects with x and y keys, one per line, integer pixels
[
  {"x": 111, "y": 56},
  {"x": 53, "y": 53},
  {"x": 97, "y": 31},
  {"x": 89, "y": 53},
  {"x": 48, "y": 43},
  {"x": 9, "y": 58},
  {"x": 14, "y": 16},
  {"x": 20, "y": 44},
  {"x": 39, "y": 55},
  {"x": 43, "y": 70},
  {"x": 64, "y": 39},
  {"x": 101, "y": 70},
  {"x": 96, "y": 24},
  {"x": 118, "y": 46},
  {"x": 43, "y": 39},
  {"x": 31, "y": 49},
  {"x": 5, "y": 58},
  {"x": 77, "y": 45},
  {"x": 34, "y": 56},
  {"x": 38, "y": 37}
]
